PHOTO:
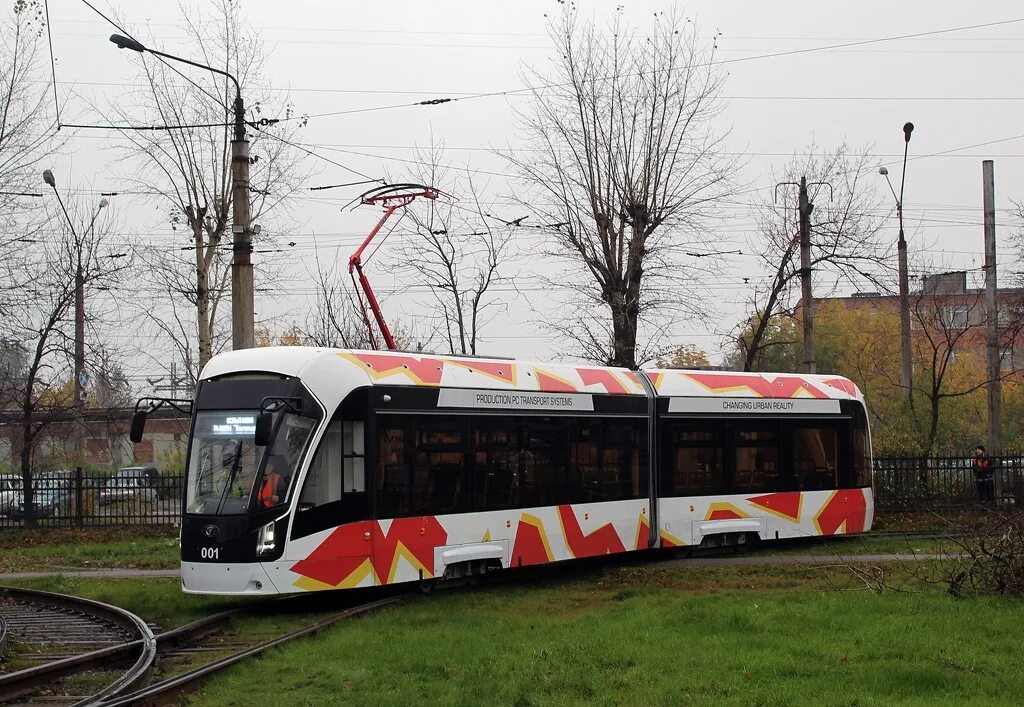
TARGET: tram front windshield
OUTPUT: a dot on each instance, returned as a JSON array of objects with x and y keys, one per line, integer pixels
[{"x": 228, "y": 474}]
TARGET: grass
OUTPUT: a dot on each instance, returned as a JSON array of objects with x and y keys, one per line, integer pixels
[
  {"x": 854, "y": 545},
  {"x": 156, "y": 600},
  {"x": 67, "y": 548},
  {"x": 634, "y": 635},
  {"x": 157, "y": 548}
]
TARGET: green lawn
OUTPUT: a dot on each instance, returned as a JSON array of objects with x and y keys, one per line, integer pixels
[
  {"x": 650, "y": 636},
  {"x": 84, "y": 548},
  {"x": 856, "y": 545}
]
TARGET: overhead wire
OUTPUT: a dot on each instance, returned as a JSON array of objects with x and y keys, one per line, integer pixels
[
  {"x": 53, "y": 63},
  {"x": 719, "y": 62}
]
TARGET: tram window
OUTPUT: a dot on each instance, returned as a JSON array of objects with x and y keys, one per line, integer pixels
[
  {"x": 395, "y": 482},
  {"x": 540, "y": 463},
  {"x": 323, "y": 480},
  {"x": 422, "y": 467},
  {"x": 816, "y": 457},
  {"x": 493, "y": 469},
  {"x": 585, "y": 463},
  {"x": 452, "y": 464},
  {"x": 757, "y": 458},
  {"x": 696, "y": 459},
  {"x": 439, "y": 468},
  {"x": 355, "y": 455},
  {"x": 861, "y": 449},
  {"x": 620, "y": 461}
]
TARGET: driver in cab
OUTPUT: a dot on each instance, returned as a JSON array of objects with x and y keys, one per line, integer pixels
[{"x": 274, "y": 485}]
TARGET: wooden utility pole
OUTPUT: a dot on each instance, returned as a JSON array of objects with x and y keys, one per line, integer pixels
[
  {"x": 995, "y": 413},
  {"x": 806, "y": 300}
]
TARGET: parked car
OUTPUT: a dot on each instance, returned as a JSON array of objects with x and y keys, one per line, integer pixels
[
  {"x": 132, "y": 482},
  {"x": 48, "y": 502},
  {"x": 10, "y": 492}
]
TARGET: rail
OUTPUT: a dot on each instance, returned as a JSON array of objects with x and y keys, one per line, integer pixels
[
  {"x": 168, "y": 691},
  {"x": 31, "y": 680}
]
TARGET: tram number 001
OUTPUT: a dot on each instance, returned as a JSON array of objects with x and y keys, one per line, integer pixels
[{"x": 209, "y": 553}]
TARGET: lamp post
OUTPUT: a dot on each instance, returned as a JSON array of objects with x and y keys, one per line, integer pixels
[
  {"x": 79, "y": 355},
  {"x": 242, "y": 304},
  {"x": 906, "y": 364}
]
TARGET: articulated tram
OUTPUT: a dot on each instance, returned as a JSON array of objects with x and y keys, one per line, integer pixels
[{"x": 313, "y": 469}]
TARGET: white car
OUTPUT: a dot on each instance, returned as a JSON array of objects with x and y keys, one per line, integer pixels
[{"x": 10, "y": 492}]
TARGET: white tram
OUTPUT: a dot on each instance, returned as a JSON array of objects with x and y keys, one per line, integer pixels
[{"x": 312, "y": 469}]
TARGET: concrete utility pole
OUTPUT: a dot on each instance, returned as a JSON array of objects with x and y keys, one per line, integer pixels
[
  {"x": 995, "y": 412},
  {"x": 80, "y": 376},
  {"x": 906, "y": 363},
  {"x": 806, "y": 300},
  {"x": 242, "y": 305},
  {"x": 243, "y": 308}
]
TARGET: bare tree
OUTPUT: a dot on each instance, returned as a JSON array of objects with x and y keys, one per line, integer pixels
[
  {"x": 625, "y": 170},
  {"x": 949, "y": 351},
  {"x": 334, "y": 320},
  {"x": 26, "y": 118},
  {"x": 188, "y": 168},
  {"x": 846, "y": 238},
  {"x": 41, "y": 321},
  {"x": 454, "y": 247}
]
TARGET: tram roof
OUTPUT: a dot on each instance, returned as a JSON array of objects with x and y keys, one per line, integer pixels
[{"x": 420, "y": 369}]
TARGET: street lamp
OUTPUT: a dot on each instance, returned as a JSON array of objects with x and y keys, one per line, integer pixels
[
  {"x": 79, "y": 362},
  {"x": 242, "y": 305},
  {"x": 906, "y": 365}
]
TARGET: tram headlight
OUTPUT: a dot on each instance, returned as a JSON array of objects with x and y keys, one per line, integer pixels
[{"x": 265, "y": 541}]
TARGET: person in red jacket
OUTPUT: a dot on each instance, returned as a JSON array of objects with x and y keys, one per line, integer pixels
[
  {"x": 273, "y": 488},
  {"x": 983, "y": 476}
]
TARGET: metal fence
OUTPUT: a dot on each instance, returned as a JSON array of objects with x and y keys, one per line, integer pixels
[
  {"x": 70, "y": 499},
  {"x": 924, "y": 483},
  {"x": 62, "y": 499}
]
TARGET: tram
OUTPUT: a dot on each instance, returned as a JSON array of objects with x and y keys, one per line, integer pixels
[{"x": 318, "y": 469}]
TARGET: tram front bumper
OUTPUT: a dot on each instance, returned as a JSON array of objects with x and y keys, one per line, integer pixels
[{"x": 232, "y": 578}]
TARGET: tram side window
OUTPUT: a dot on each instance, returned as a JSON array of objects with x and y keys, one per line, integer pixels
[
  {"x": 816, "y": 458},
  {"x": 585, "y": 463},
  {"x": 861, "y": 449},
  {"x": 495, "y": 477},
  {"x": 395, "y": 480},
  {"x": 757, "y": 457},
  {"x": 354, "y": 457},
  {"x": 541, "y": 463},
  {"x": 422, "y": 466},
  {"x": 621, "y": 474},
  {"x": 439, "y": 467},
  {"x": 696, "y": 459},
  {"x": 324, "y": 479}
]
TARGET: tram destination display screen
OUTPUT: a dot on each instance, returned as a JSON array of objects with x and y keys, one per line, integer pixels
[{"x": 227, "y": 425}]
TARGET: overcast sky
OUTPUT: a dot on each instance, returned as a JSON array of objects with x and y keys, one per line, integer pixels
[{"x": 960, "y": 89}]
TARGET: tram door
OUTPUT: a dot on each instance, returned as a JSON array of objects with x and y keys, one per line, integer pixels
[{"x": 334, "y": 497}]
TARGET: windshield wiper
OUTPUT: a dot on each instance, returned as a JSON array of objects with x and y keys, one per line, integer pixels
[{"x": 236, "y": 465}]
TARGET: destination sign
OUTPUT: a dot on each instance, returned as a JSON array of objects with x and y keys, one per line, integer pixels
[
  {"x": 513, "y": 400},
  {"x": 232, "y": 426},
  {"x": 756, "y": 406}
]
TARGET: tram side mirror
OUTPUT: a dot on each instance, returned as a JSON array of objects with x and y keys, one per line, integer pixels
[
  {"x": 138, "y": 426},
  {"x": 264, "y": 427}
]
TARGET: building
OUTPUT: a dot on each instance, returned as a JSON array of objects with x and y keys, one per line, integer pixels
[
  {"x": 955, "y": 314},
  {"x": 105, "y": 439}
]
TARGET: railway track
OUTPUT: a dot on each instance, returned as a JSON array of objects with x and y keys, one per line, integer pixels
[
  {"x": 67, "y": 636},
  {"x": 89, "y": 642},
  {"x": 168, "y": 690}
]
